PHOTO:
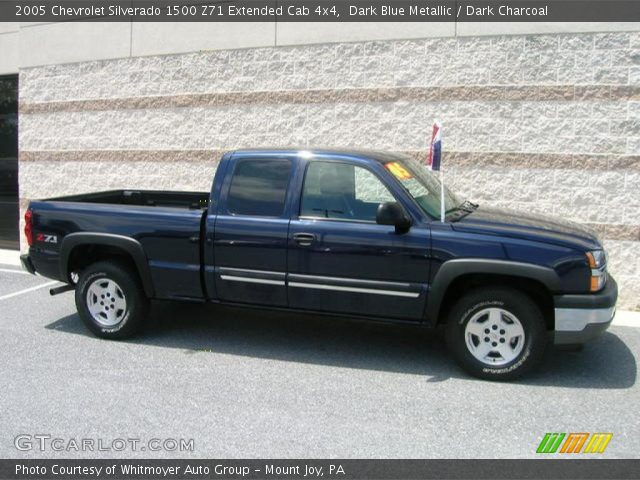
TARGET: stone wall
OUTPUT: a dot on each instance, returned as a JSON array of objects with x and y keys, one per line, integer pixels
[{"x": 545, "y": 123}]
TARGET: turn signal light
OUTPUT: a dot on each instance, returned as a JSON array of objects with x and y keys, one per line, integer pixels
[
  {"x": 598, "y": 279},
  {"x": 597, "y": 260}
]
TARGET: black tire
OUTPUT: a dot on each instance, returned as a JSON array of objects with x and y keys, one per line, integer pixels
[
  {"x": 124, "y": 322},
  {"x": 516, "y": 304}
]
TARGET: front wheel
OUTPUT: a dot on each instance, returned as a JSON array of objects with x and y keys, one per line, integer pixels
[
  {"x": 110, "y": 300},
  {"x": 496, "y": 333}
]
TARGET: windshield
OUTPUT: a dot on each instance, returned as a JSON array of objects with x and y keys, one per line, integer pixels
[{"x": 422, "y": 185}]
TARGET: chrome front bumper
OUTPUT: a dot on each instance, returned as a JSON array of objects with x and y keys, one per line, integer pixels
[
  {"x": 579, "y": 325},
  {"x": 579, "y": 318}
]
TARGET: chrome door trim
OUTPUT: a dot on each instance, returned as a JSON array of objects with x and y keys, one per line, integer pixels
[
  {"x": 320, "y": 286},
  {"x": 319, "y": 282},
  {"x": 231, "y": 278}
]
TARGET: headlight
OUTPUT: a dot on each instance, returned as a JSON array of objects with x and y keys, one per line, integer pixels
[{"x": 597, "y": 260}]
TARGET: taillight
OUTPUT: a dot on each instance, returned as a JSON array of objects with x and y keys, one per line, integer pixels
[{"x": 28, "y": 226}]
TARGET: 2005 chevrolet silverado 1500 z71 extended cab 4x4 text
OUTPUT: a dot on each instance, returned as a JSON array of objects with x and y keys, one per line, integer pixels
[{"x": 338, "y": 232}]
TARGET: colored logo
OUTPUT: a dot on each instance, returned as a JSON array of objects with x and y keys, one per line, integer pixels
[{"x": 574, "y": 443}]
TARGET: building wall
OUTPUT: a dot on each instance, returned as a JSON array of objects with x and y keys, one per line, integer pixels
[
  {"x": 547, "y": 122},
  {"x": 30, "y": 44}
]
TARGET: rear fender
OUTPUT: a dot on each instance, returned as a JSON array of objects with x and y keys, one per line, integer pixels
[{"x": 129, "y": 245}]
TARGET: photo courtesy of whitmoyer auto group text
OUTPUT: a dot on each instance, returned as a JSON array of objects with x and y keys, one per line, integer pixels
[{"x": 319, "y": 239}]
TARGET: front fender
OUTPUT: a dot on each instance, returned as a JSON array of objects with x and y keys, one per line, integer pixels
[{"x": 453, "y": 269}]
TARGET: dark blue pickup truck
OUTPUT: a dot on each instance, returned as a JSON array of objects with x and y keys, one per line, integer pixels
[{"x": 340, "y": 232}]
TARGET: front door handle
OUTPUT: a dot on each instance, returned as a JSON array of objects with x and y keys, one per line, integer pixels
[{"x": 304, "y": 239}]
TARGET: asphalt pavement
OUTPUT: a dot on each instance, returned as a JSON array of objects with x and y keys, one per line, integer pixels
[{"x": 231, "y": 383}]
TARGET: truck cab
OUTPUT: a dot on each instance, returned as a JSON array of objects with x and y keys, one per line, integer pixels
[{"x": 320, "y": 230}]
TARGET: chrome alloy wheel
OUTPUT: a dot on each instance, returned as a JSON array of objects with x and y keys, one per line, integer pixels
[
  {"x": 494, "y": 336},
  {"x": 106, "y": 302}
]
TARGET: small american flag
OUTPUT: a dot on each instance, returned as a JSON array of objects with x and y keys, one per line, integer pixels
[{"x": 433, "y": 162}]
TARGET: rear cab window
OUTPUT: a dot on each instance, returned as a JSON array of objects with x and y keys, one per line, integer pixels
[{"x": 259, "y": 187}]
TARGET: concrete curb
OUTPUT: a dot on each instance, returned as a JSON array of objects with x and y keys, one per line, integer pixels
[
  {"x": 626, "y": 318},
  {"x": 9, "y": 257}
]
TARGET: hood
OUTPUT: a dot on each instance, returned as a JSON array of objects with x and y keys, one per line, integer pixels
[{"x": 527, "y": 226}]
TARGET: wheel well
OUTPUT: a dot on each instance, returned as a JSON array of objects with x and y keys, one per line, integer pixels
[
  {"x": 532, "y": 288},
  {"x": 84, "y": 255}
]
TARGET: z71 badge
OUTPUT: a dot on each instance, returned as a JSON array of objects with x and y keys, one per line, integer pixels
[{"x": 46, "y": 238}]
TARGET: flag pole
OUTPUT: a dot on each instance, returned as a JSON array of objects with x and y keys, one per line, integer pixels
[
  {"x": 434, "y": 161},
  {"x": 441, "y": 174},
  {"x": 441, "y": 194}
]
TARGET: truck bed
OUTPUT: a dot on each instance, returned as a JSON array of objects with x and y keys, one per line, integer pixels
[
  {"x": 166, "y": 224},
  {"x": 145, "y": 198}
]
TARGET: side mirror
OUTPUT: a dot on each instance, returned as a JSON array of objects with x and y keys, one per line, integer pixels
[{"x": 392, "y": 213}]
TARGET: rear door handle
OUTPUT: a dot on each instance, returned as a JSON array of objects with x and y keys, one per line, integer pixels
[{"x": 304, "y": 239}]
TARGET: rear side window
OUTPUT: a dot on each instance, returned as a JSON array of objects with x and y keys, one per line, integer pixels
[{"x": 259, "y": 188}]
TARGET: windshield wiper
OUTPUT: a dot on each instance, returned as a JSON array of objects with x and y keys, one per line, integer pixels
[
  {"x": 467, "y": 206},
  {"x": 462, "y": 210}
]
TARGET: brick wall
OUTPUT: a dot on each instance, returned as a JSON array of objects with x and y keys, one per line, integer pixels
[{"x": 545, "y": 123}]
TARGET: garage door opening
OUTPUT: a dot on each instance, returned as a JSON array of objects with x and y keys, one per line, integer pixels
[{"x": 9, "y": 223}]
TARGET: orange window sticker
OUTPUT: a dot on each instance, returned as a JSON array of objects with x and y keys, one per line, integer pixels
[{"x": 398, "y": 171}]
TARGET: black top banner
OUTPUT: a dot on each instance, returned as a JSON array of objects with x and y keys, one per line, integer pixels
[{"x": 320, "y": 11}]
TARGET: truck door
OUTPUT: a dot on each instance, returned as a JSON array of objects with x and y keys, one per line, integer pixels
[
  {"x": 250, "y": 238},
  {"x": 341, "y": 260}
]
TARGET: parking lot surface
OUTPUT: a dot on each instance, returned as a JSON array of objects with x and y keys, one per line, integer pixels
[{"x": 251, "y": 383}]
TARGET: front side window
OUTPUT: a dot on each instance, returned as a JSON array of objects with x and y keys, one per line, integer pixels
[
  {"x": 259, "y": 188},
  {"x": 342, "y": 191}
]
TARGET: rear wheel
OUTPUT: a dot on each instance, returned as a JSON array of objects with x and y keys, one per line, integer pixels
[
  {"x": 496, "y": 333},
  {"x": 110, "y": 300}
]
